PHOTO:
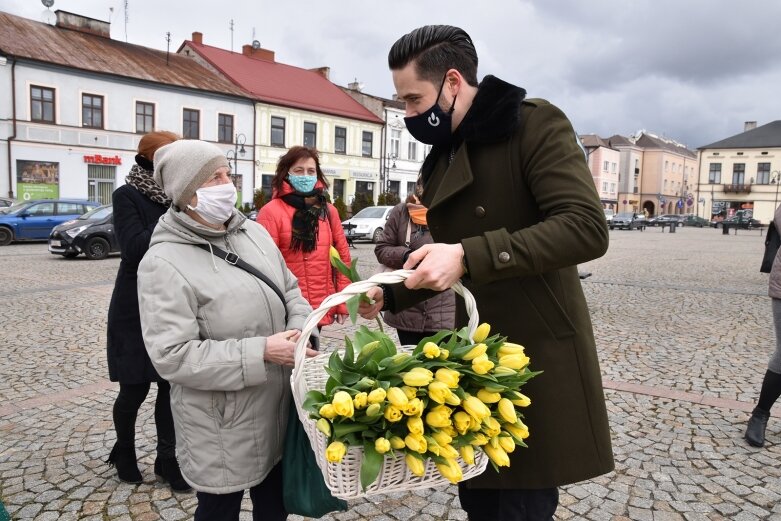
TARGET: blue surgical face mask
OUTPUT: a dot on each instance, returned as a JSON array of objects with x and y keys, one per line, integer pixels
[
  {"x": 433, "y": 126},
  {"x": 302, "y": 183}
]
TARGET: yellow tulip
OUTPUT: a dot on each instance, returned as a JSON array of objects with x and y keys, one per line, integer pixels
[
  {"x": 507, "y": 443},
  {"x": 393, "y": 413},
  {"x": 416, "y": 442},
  {"x": 516, "y": 362},
  {"x": 497, "y": 455},
  {"x": 327, "y": 411},
  {"x": 442, "y": 438},
  {"x": 448, "y": 451},
  {"x": 461, "y": 421},
  {"x": 382, "y": 445},
  {"x": 450, "y": 470},
  {"x": 519, "y": 430},
  {"x": 415, "y": 425},
  {"x": 343, "y": 404},
  {"x": 443, "y": 353},
  {"x": 414, "y": 407},
  {"x": 449, "y": 430},
  {"x": 475, "y": 424},
  {"x": 476, "y": 351},
  {"x": 482, "y": 331},
  {"x": 376, "y": 396},
  {"x": 508, "y": 348},
  {"x": 360, "y": 401},
  {"x": 418, "y": 377},
  {"x": 397, "y": 397},
  {"x": 373, "y": 410},
  {"x": 431, "y": 350},
  {"x": 488, "y": 397},
  {"x": 335, "y": 452},
  {"x": 467, "y": 454},
  {"x": 415, "y": 464},
  {"x": 439, "y": 391},
  {"x": 448, "y": 377},
  {"x": 324, "y": 426},
  {"x": 479, "y": 440},
  {"x": 481, "y": 364},
  {"x": 507, "y": 411},
  {"x": 409, "y": 392},
  {"x": 521, "y": 400},
  {"x": 397, "y": 443},
  {"x": 475, "y": 407},
  {"x": 333, "y": 253},
  {"x": 504, "y": 371},
  {"x": 491, "y": 427},
  {"x": 438, "y": 417}
]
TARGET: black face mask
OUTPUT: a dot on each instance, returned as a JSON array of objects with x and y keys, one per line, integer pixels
[{"x": 433, "y": 127}]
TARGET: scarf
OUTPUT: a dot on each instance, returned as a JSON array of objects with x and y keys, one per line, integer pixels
[
  {"x": 417, "y": 213},
  {"x": 140, "y": 178},
  {"x": 306, "y": 218}
]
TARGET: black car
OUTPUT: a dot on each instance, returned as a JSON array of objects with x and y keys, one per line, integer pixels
[
  {"x": 665, "y": 219},
  {"x": 91, "y": 234},
  {"x": 738, "y": 221}
]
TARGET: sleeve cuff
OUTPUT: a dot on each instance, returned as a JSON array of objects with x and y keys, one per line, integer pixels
[{"x": 254, "y": 365}]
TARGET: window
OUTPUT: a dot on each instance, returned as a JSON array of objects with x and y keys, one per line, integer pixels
[
  {"x": 277, "y": 131},
  {"x": 763, "y": 173},
  {"x": 70, "y": 208},
  {"x": 366, "y": 188},
  {"x": 393, "y": 187},
  {"x": 613, "y": 167},
  {"x": 604, "y": 186},
  {"x": 145, "y": 117},
  {"x": 738, "y": 173},
  {"x": 91, "y": 111},
  {"x": 340, "y": 140},
  {"x": 42, "y": 104},
  {"x": 367, "y": 142},
  {"x": 395, "y": 141},
  {"x": 338, "y": 185},
  {"x": 310, "y": 134},
  {"x": 191, "y": 124},
  {"x": 224, "y": 128},
  {"x": 714, "y": 174},
  {"x": 265, "y": 185},
  {"x": 411, "y": 185},
  {"x": 41, "y": 210},
  {"x": 605, "y": 166},
  {"x": 412, "y": 151},
  {"x": 612, "y": 188}
]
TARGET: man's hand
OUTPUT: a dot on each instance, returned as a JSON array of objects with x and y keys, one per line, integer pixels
[
  {"x": 370, "y": 311},
  {"x": 281, "y": 348},
  {"x": 437, "y": 266}
]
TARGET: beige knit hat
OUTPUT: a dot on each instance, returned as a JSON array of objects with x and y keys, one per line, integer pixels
[{"x": 183, "y": 166}]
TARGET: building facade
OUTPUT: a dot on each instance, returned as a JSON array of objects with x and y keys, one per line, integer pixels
[{"x": 603, "y": 162}]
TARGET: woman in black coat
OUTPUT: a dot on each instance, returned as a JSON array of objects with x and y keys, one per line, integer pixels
[{"x": 137, "y": 207}]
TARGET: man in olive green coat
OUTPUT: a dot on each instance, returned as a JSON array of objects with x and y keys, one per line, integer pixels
[{"x": 512, "y": 209}]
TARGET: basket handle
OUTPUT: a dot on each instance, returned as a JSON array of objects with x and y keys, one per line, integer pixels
[{"x": 362, "y": 286}]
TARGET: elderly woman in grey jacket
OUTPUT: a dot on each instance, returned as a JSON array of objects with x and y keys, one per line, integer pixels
[
  {"x": 222, "y": 337},
  {"x": 771, "y": 383}
]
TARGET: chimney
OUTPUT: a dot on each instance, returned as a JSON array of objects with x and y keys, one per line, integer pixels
[
  {"x": 325, "y": 72},
  {"x": 258, "y": 54},
  {"x": 82, "y": 24},
  {"x": 749, "y": 125},
  {"x": 198, "y": 38},
  {"x": 356, "y": 86}
]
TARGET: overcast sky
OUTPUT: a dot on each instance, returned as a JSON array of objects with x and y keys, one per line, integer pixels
[{"x": 690, "y": 70}]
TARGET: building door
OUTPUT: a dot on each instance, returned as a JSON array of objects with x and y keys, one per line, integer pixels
[{"x": 100, "y": 182}]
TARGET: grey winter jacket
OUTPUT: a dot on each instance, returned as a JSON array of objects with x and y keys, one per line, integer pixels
[
  {"x": 774, "y": 284},
  {"x": 205, "y": 324},
  {"x": 431, "y": 315}
]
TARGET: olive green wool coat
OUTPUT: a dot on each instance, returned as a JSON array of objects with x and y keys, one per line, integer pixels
[{"x": 519, "y": 197}]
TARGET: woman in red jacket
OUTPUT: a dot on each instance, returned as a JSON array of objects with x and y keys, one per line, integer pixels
[{"x": 305, "y": 226}]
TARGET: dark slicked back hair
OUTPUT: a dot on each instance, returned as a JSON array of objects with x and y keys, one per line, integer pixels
[{"x": 436, "y": 49}]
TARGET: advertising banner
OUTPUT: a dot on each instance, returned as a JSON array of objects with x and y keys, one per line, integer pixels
[{"x": 37, "y": 180}]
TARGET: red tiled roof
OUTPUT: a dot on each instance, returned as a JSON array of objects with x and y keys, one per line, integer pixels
[
  {"x": 281, "y": 84},
  {"x": 28, "y": 39}
]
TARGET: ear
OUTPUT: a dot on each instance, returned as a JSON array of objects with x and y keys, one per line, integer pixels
[{"x": 454, "y": 80}]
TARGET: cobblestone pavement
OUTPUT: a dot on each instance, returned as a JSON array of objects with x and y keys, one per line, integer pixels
[{"x": 683, "y": 327}]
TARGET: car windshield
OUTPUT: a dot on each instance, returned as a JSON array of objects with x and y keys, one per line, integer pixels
[
  {"x": 100, "y": 212},
  {"x": 372, "y": 212}
]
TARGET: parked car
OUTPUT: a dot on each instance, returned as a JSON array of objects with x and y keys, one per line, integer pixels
[
  {"x": 695, "y": 220},
  {"x": 253, "y": 215},
  {"x": 609, "y": 213},
  {"x": 91, "y": 234},
  {"x": 628, "y": 221},
  {"x": 368, "y": 223},
  {"x": 737, "y": 221},
  {"x": 5, "y": 204},
  {"x": 665, "y": 219},
  {"x": 34, "y": 220}
]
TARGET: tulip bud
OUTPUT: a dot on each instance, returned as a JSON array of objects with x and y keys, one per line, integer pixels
[
  {"x": 335, "y": 452},
  {"x": 416, "y": 442},
  {"x": 508, "y": 348},
  {"x": 481, "y": 364},
  {"x": 504, "y": 371},
  {"x": 442, "y": 438},
  {"x": 333, "y": 253},
  {"x": 439, "y": 391},
  {"x": 414, "y": 407},
  {"x": 467, "y": 454},
  {"x": 488, "y": 397},
  {"x": 415, "y": 464},
  {"x": 415, "y": 425},
  {"x": 519, "y": 430},
  {"x": 377, "y": 395},
  {"x": 516, "y": 362},
  {"x": 324, "y": 426},
  {"x": 482, "y": 331},
  {"x": 431, "y": 350},
  {"x": 373, "y": 410},
  {"x": 507, "y": 443},
  {"x": 497, "y": 455},
  {"x": 450, "y": 470},
  {"x": 418, "y": 377},
  {"x": 360, "y": 400},
  {"x": 397, "y": 397},
  {"x": 479, "y": 440},
  {"x": 507, "y": 411},
  {"x": 448, "y": 451},
  {"x": 491, "y": 427},
  {"x": 521, "y": 400},
  {"x": 443, "y": 353},
  {"x": 327, "y": 411},
  {"x": 343, "y": 404},
  {"x": 382, "y": 445},
  {"x": 409, "y": 392},
  {"x": 476, "y": 351},
  {"x": 397, "y": 443},
  {"x": 475, "y": 407},
  {"x": 449, "y": 377},
  {"x": 439, "y": 417},
  {"x": 393, "y": 413},
  {"x": 461, "y": 421}
]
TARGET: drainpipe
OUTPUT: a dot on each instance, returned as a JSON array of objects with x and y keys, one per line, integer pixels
[
  {"x": 383, "y": 150},
  {"x": 254, "y": 144},
  {"x": 13, "y": 133}
]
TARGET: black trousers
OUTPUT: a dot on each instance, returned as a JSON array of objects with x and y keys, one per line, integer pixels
[
  {"x": 126, "y": 407},
  {"x": 411, "y": 338},
  {"x": 266, "y": 496},
  {"x": 508, "y": 505}
]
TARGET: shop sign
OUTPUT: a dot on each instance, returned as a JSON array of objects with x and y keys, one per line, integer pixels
[
  {"x": 362, "y": 175},
  {"x": 103, "y": 160}
]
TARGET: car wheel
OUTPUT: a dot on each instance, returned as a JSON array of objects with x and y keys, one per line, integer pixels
[
  {"x": 376, "y": 236},
  {"x": 612, "y": 227},
  {"x": 70, "y": 255},
  {"x": 97, "y": 248},
  {"x": 6, "y": 236}
]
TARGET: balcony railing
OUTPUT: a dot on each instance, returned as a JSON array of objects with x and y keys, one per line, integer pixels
[{"x": 738, "y": 188}]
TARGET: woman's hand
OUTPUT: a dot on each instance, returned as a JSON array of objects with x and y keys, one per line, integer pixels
[
  {"x": 370, "y": 311},
  {"x": 281, "y": 348},
  {"x": 339, "y": 318}
]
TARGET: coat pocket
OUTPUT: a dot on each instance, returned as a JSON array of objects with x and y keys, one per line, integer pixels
[
  {"x": 223, "y": 407},
  {"x": 547, "y": 305}
]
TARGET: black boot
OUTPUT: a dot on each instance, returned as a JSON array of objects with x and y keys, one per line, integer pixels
[
  {"x": 167, "y": 470},
  {"x": 755, "y": 432},
  {"x": 125, "y": 462}
]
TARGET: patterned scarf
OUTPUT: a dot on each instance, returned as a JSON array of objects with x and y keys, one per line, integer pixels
[
  {"x": 306, "y": 218},
  {"x": 140, "y": 178}
]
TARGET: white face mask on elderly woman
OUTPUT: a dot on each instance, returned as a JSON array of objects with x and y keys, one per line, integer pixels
[{"x": 215, "y": 203}]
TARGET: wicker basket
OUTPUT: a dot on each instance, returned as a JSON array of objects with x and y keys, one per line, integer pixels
[{"x": 343, "y": 479}]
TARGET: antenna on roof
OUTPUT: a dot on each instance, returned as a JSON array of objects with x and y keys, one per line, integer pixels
[
  {"x": 231, "y": 29},
  {"x": 168, "y": 46},
  {"x": 126, "y": 18},
  {"x": 47, "y": 16}
]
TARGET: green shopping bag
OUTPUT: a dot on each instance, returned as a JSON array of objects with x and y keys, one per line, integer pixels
[
  {"x": 4, "y": 513},
  {"x": 305, "y": 491}
]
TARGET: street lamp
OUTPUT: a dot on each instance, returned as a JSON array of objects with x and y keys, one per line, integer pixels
[
  {"x": 775, "y": 180},
  {"x": 391, "y": 158},
  {"x": 238, "y": 150}
]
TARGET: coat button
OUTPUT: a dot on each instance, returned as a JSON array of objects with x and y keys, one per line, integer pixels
[
  {"x": 504, "y": 257},
  {"x": 479, "y": 211}
]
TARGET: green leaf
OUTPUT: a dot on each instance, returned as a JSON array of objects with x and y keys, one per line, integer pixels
[
  {"x": 354, "y": 275},
  {"x": 349, "y": 353},
  {"x": 342, "y": 267},
  {"x": 352, "y": 307},
  {"x": 335, "y": 363},
  {"x": 312, "y": 400},
  {"x": 436, "y": 338},
  {"x": 341, "y": 430},
  {"x": 371, "y": 464}
]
